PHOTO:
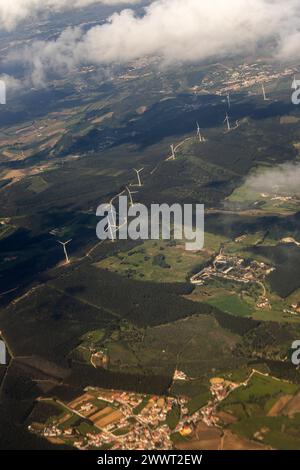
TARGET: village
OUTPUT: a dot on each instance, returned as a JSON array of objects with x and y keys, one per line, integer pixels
[
  {"x": 233, "y": 79},
  {"x": 236, "y": 269},
  {"x": 233, "y": 268},
  {"x": 107, "y": 419}
]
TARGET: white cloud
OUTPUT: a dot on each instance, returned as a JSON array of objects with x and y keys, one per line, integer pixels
[
  {"x": 284, "y": 178},
  {"x": 186, "y": 29},
  {"x": 14, "y": 11},
  {"x": 175, "y": 31},
  {"x": 12, "y": 84}
]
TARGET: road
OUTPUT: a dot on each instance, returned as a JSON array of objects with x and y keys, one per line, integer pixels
[{"x": 178, "y": 146}]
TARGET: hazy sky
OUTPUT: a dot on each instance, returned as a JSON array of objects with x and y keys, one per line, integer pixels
[
  {"x": 173, "y": 30},
  {"x": 14, "y": 11}
]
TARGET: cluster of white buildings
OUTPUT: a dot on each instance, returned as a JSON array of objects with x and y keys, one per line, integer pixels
[
  {"x": 233, "y": 268},
  {"x": 220, "y": 389},
  {"x": 143, "y": 420},
  {"x": 244, "y": 76}
]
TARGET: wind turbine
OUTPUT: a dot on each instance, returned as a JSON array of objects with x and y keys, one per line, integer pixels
[
  {"x": 113, "y": 225},
  {"x": 130, "y": 193},
  {"x": 173, "y": 157},
  {"x": 227, "y": 122},
  {"x": 228, "y": 100},
  {"x": 113, "y": 229},
  {"x": 139, "y": 177},
  {"x": 113, "y": 218},
  {"x": 199, "y": 135},
  {"x": 264, "y": 92},
  {"x": 110, "y": 228},
  {"x": 64, "y": 244}
]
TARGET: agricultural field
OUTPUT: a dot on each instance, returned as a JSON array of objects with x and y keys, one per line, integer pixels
[
  {"x": 259, "y": 407},
  {"x": 162, "y": 261}
]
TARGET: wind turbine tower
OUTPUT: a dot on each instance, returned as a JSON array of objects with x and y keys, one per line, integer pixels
[
  {"x": 227, "y": 122},
  {"x": 110, "y": 228},
  {"x": 199, "y": 135},
  {"x": 228, "y": 101},
  {"x": 64, "y": 244},
  {"x": 173, "y": 152},
  {"x": 138, "y": 172},
  {"x": 264, "y": 92},
  {"x": 112, "y": 217},
  {"x": 130, "y": 193}
]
